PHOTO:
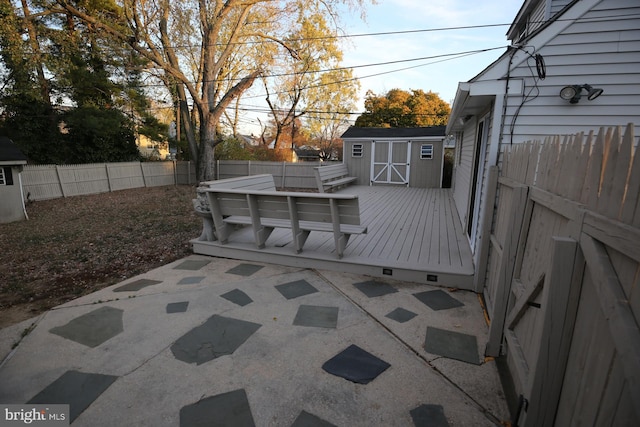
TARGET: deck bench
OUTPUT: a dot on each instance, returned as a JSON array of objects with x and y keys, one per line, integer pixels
[
  {"x": 267, "y": 209},
  {"x": 331, "y": 177},
  {"x": 201, "y": 204}
]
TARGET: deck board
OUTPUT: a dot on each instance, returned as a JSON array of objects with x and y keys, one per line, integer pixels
[{"x": 412, "y": 233}]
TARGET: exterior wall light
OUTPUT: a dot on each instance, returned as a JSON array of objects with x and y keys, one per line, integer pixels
[{"x": 573, "y": 93}]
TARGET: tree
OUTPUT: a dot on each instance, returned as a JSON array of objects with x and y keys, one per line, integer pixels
[
  {"x": 333, "y": 99},
  {"x": 27, "y": 114},
  {"x": 194, "y": 44},
  {"x": 76, "y": 63},
  {"x": 311, "y": 85},
  {"x": 399, "y": 108}
]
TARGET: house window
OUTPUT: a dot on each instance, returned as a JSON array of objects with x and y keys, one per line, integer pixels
[
  {"x": 2, "y": 180},
  {"x": 356, "y": 150},
  {"x": 426, "y": 151}
]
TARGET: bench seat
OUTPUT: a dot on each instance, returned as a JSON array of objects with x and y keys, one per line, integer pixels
[
  {"x": 338, "y": 182},
  {"x": 331, "y": 177},
  {"x": 304, "y": 225},
  {"x": 265, "y": 210},
  {"x": 201, "y": 204}
]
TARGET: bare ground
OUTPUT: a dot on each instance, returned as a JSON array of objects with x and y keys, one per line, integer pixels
[{"x": 74, "y": 246}]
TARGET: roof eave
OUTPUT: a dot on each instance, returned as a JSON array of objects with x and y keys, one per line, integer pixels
[
  {"x": 462, "y": 94},
  {"x": 12, "y": 162}
]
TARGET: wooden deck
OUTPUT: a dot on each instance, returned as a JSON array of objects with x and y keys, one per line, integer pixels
[{"x": 413, "y": 234}]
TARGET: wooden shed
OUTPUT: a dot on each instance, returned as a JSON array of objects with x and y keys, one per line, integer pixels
[
  {"x": 11, "y": 197},
  {"x": 412, "y": 157}
]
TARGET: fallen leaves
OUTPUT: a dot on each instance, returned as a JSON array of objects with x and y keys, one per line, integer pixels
[{"x": 74, "y": 246}]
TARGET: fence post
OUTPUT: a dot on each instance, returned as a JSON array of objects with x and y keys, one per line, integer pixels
[
  {"x": 60, "y": 181},
  {"x": 106, "y": 168},
  {"x": 284, "y": 173},
  {"x": 175, "y": 172},
  {"x": 144, "y": 181},
  {"x": 485, "y": 229}
]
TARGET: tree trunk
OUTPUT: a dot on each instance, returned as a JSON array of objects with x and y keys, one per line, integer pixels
[{"x": 206, "y": 166}]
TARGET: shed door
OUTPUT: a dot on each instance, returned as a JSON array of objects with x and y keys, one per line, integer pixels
[{"x": 390, "y": 162}]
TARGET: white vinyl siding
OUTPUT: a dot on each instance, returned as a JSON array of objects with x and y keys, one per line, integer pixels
[
  {"x": 538, "y": 17},
  {"x": 558, "y": 5},
  {"x": 602, "y": 48},
  {"x": 462, "y": 186}
]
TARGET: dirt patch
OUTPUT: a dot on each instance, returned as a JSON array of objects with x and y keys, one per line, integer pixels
[{"x": 74, "y": 246}]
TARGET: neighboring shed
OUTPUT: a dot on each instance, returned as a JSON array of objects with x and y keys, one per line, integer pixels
[
  {"x": 11, "y": 198},
  {"x": 306, "y": 154},
  {"x": 400, "y": 156}
]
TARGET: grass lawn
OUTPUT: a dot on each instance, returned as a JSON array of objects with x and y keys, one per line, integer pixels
[{"x": 74, "y": 246}]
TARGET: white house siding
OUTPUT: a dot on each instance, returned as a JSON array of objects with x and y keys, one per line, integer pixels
[
  {"x": 537, "y": 17},
  {"x": 602, "y": 48},
  {"x": 558, "y": 5},
  {"x": 463, "y": 166}
]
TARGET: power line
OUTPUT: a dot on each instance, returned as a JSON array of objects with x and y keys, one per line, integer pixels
[{"x": 449, "y": 57}]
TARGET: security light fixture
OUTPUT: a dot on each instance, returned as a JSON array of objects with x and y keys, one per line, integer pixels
[{"x": 573, "y": 93}]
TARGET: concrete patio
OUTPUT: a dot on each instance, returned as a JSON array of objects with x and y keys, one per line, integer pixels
[{"x": 213, "y": 341}]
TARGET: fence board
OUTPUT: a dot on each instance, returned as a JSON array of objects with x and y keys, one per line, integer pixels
[
  {"x": 585, "y": 188},
  {"x": 633, "y": 186},
  {"x": 158, "y": 173},
  {"x": 41, "y": 182}
]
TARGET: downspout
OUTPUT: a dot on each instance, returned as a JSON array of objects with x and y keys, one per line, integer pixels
[{"x": 24, "y": 208}]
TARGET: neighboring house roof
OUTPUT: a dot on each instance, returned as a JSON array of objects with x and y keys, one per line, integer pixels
[
  {"x": 307, "y": 153},
  {"x": 10, "y": 154},
  {"x": 417, "y": 132},
  {"x": 248, "y": 140}
]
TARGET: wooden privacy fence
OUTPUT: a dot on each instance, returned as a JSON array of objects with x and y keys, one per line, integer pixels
[{"x": 563, "y": 279}]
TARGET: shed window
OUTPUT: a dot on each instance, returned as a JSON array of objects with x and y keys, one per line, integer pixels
[
  {"x": 356, "y": 150},
  {"x": 426, "y": 151},
  {"x": 6, "y": 178}
]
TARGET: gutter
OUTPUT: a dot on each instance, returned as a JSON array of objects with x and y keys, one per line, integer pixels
[{"x": 462, "y": 94}]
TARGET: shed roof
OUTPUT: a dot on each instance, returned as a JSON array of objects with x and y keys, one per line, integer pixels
[
  {"x": 416, "y": 132},
  {"x": 10, "y": 153}
]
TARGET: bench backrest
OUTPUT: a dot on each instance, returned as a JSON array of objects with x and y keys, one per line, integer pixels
[
  {"x": 327, "y": 173},
  {"x": 282, "y": 204},
  {"x": 251, "y": 182}
]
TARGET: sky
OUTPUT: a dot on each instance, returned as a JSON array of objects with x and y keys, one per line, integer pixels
[
  {"x": 435, "y": 75},
  {"x": 441, "y": 74}
]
